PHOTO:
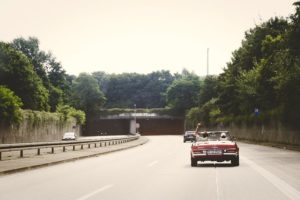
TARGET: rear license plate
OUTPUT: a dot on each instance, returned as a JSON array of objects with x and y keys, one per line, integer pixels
[{"x": 214, "y": 152}]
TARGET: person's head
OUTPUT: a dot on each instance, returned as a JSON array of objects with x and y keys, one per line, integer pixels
[
  {"x": 205, "y": 134},
  {"x": 223, "y": 135}
]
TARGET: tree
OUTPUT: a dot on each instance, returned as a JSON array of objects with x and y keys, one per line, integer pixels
[
  {"x": 16, "y": 73},
  {"x": 237, "y": 91},
  {"x": 47, "y": 68},
  {"x": 293, "y": 36},
  {"x": 86, "y": 93},
  {"x": 183, "y": 94},
  {"x": 208, "y": 89},
  {"x": 102, "y": 79},
  {"x": 155, "y": 88},
  {"x": 39, "y": 59},
  {"x": 124, "y": 90},
  {"x": 10, "y": 106}
]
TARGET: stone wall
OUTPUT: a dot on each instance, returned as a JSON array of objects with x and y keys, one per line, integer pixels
[
  {"x": 273, "y": 132},
  {"x": 35, "y": 128}
]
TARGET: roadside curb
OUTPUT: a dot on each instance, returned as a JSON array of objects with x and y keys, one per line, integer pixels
[{"x": 140, "y": 141}]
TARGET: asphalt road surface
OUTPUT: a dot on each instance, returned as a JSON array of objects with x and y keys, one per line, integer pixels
[{"x": 160, "y": 170}]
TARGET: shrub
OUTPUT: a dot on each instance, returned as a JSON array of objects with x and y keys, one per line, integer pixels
[
  {"x": 68, "y": 111},
  {"x": 10, "y": 106}
]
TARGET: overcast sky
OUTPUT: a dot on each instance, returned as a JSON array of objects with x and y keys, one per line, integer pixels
[{"x": 140, "y": 36}]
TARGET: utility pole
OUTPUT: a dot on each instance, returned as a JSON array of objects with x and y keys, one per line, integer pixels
[
  {"x": 207, "y": 63},
  {"x": 134, "y": 118}
]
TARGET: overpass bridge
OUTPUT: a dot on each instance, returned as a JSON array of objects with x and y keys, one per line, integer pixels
[{"x": 144, "y": 123}]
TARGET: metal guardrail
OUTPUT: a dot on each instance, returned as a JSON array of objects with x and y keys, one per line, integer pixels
[{"x": 63, "y": 144}]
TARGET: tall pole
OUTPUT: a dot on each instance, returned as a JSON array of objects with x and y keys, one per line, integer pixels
[
  {"x": 134, "y": 118},
  {"x": 207, "y": 72}
]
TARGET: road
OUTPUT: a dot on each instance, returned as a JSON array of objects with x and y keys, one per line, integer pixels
[{"x": 160, "y": 170}]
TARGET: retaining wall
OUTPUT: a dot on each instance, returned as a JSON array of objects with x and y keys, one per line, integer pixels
[
  {"x": 35, "y": 129},
  {"x": 273, "y": 132}
]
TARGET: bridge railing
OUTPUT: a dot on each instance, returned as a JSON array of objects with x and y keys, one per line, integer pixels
[{"x": 52, "y": 146}]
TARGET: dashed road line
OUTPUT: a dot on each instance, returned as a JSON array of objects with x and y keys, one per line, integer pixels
[
  {"x": 102, "y": 189},
  {"x": 152, "y": 163},
  {"x": 217, "y": 185}
]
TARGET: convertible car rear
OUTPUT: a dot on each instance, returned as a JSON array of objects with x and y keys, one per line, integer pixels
[{"x": 215, "y": 146}]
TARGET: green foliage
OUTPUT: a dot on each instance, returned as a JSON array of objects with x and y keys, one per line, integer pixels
[
  {"x": 55, "y": 98},
  {"x": 264, "y": 73},
  {"x": 38, "y": 118},
  {"x": 209, "y": 89},
  {"x": 16, "y": 73},
  {"x": 30, "y": 48},
  {"x": 87, "y": 95},
  {"x": 68, "y": 112},
  {"x": 126, "y": 89},
  {"x": 50, "y": 71},
  {"x": 183, "y": 94},
  {"x": 206, "y": 114},
  {"x": 193, "y": 117},
  {"x": 10, "y": 106}
]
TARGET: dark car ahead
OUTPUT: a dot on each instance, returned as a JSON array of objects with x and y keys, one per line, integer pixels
[{"x": 189, "y": 136}]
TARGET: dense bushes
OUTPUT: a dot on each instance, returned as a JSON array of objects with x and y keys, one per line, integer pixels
[
  {"x": 263, "y": 75},
  {"x": 10, "y": 106}
]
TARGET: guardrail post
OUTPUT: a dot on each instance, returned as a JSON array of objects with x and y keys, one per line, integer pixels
[
  {"x": 89, "y": 146},
  {"x": 100, "y": 144},
  {"x": 81, "y": 146},
  {"x": 73, "y": 147},
  {"x": 0, "y": 155},
  {"x": 52, "y": 150},
  {"x": 95, "y": 145},
  {"x": 64, "y": 148},
  {"x": 38, "y": 151},
  {"x": 21, "y": 153}
]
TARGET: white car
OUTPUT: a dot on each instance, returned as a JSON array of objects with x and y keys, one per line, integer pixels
[{"x": 69, "y": 136}]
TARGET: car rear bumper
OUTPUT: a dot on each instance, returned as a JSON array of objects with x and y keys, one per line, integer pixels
[{"x": 219, "y": 158}]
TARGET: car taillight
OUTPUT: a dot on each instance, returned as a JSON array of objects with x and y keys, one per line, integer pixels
[
  {"x": 233, "y": 150},
  {"x": 195, "y": 149}
]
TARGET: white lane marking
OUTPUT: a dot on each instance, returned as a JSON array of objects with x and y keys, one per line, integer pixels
[
  {"x": 281, "y": 185},
  {"x": 152, "y": 163},
  {"x": 217, "y": 183},
  {"x": 95, "y": 192}
]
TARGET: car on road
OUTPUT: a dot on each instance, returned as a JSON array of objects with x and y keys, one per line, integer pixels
[
  {"x": 69, "y": 136},
  {"x": 216, "y": 146},
  {"x": 189, "y": 136}
]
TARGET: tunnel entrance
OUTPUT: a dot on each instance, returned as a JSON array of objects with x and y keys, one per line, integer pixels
[{"x": 122, "y": 125}]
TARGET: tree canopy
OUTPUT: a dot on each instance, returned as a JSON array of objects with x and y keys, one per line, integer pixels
[{"x": 16, "y": 73}]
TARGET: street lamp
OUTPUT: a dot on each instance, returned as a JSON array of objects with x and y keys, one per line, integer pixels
[{"x": 135, "y": 118}]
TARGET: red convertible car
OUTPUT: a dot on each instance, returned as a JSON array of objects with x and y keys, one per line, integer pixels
[{"x": 215, "y": 146}]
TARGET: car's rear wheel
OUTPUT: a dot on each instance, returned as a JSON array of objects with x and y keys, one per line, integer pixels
[
  {"x": 235, "y": 161},
  {"x": 193, "y": 162}
]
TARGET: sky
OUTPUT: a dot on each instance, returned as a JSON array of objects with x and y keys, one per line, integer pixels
[{"x": 142, "y": 36}]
